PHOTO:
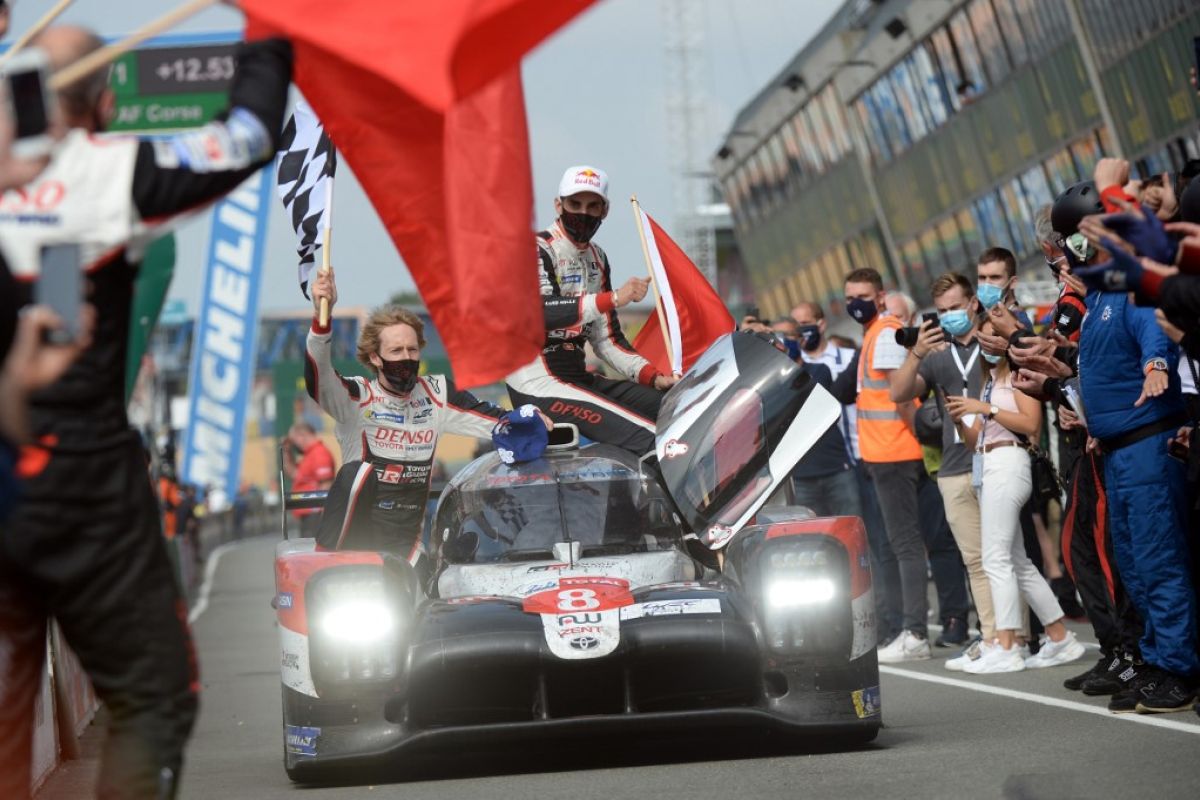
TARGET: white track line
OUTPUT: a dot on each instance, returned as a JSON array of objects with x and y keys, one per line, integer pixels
[
  {"x": 1072, "y": 705},
  {"x": 210, "y": 572}
]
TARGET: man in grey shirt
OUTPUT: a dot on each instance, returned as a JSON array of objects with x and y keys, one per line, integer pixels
[{"x": 953, "y": 368}]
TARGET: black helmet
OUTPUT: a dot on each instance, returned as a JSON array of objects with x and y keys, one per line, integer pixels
[{"x": 1073, "y": 205}]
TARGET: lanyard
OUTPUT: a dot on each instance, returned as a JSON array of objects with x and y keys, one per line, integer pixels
[{"x": 965, "y": 371}]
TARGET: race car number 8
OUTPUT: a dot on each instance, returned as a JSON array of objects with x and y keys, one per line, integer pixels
[{"x": 577, "y": 600}]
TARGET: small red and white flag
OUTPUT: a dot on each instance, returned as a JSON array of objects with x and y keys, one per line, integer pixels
[{"x": 694, "y": 313}]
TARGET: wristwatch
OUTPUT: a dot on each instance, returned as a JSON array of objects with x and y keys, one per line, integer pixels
[
  {"x": 993, "y": 411},
  {"x": 1159, "y": 364}
]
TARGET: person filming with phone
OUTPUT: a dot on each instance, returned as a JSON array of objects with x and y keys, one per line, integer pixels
[
  {"x": 945, "y": 358},
  {"x": 85, "y": 544},
  {"x": 997, "y": 426}
]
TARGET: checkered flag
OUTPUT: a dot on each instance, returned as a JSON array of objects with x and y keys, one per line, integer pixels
[{"x": 307, "y": 160}]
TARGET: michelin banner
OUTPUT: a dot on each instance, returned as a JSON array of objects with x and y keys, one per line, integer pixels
[{"x": 222, "y": 368}]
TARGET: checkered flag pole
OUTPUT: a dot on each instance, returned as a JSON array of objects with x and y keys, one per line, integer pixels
[{"x": 306, "y": 164}]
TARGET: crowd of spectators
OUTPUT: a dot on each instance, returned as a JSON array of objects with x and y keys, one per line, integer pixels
[{"x": 969, "y": 397}]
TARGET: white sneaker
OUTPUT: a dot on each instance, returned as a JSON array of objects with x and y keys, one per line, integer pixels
[
  {"x": 996, "y": 659},
  {"x": 1052, "y": 654},
  {"x": 972, "y": 652},
  {"x": 905, "y": 647}
]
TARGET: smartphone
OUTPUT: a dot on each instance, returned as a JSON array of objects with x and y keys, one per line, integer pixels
[
  {"x": 60, "y": 287},
  {"x": 31, "y": 105},
  {"x": 1178, "y": 451},
  {"x": 930, "y": 316},
  {"x": 1074, "y": 399}
]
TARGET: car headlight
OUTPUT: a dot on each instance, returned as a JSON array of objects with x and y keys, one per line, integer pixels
[
  {"x": 802, "y": 581},
  {"x": 791, "y": 592},
  {"x": 356, "y": 628},
  {"x": 358, "y": 622}
]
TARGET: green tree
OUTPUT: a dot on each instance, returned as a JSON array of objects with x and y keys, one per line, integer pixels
[{"x": 406, "y": 299}]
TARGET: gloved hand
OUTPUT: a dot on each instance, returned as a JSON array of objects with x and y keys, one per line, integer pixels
[
  {"x": 1122, "y": 273},
  {"x": 1145, "y": 231},
  {"x": 1126, "y": 272}
]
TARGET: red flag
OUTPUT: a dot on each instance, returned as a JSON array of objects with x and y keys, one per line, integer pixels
[
  {"x": 695, "y": 315},
  {"x": 424, "y": 102}
]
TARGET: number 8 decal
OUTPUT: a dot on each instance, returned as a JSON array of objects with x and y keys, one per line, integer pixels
[{"x": 577, "y": 600}]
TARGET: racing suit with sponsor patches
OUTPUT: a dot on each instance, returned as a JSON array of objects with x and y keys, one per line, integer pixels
[
  {"x": 391, "y": 439},
  {"x": 85, "y": 545},
  {"x": 577, "y": 302}
]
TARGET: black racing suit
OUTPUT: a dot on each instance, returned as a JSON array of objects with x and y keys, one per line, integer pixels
[
  {"x": 577, "y": 300},
  {"x": 86, "y": 545},
  {"x": 8, "y": 329},
  {"x": 388, "y": 442}
]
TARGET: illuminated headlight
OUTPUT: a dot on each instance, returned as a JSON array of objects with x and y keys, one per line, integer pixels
[
  {"x": 356, "y": 630},
  {"x": 788, "y": 593},
  {"x": 358, "y": 622},
  {"x": 805, "y": 607}
]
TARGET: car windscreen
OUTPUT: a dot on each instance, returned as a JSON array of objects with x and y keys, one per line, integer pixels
[{"x": 516, "y": 513}]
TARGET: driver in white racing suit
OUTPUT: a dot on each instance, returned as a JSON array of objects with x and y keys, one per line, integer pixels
[
  {"x": 579, "y": 305},
  {"x": 387, "y": 428}
]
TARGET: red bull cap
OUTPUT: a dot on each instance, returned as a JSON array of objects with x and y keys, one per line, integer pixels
[{"x": 583, "y": 179}]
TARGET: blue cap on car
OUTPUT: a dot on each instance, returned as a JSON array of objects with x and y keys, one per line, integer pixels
[{"x": 520, "y": 435}]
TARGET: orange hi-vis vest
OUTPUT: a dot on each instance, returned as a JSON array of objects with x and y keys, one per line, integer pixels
[{"x": 883, "y": 437}]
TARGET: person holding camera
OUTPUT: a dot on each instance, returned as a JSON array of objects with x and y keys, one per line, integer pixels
[
  {"x": 85, "y": 545},
  {"x": 893, "y": 457},
  {"x": 997, "y": 426}
]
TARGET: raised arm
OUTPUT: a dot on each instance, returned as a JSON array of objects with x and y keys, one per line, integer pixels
[{"x": 338, "y": 395}]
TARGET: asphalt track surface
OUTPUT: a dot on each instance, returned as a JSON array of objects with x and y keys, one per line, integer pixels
[{"x": 946, "y": 735}]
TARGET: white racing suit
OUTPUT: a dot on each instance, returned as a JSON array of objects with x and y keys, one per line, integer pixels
[
  {"x": 577, "y": 303},
  {"x": 377, "y": 501}
]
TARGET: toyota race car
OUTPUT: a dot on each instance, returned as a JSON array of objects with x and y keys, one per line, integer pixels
[{"x": 590, "y": 591}]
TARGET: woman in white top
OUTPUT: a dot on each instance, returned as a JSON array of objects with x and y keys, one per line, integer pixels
[{"x": 997, "y": 427}]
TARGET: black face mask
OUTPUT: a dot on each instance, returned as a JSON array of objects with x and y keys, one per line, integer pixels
[
  {"x": 401, "y": 374},
  {"x": 810, "y": 337},
  {"x": 580, "y": 227}
]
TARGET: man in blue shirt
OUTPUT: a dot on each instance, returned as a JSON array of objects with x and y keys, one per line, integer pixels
[{"x": 1133, "y": 404}]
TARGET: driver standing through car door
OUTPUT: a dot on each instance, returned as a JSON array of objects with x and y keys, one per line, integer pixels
[
  {"x": 387, "y": 427},
  {"x": 580, "y": 306}
]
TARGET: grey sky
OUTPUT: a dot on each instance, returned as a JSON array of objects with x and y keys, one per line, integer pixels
[{"x": 594, "y": 93}]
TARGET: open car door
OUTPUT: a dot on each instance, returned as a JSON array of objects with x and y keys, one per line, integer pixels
[{"x": 733, "y": 428}]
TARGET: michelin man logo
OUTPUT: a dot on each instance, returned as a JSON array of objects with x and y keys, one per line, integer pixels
[
  {"x": 505, "y": 455},
  {"x": 528, "y": 410}
]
